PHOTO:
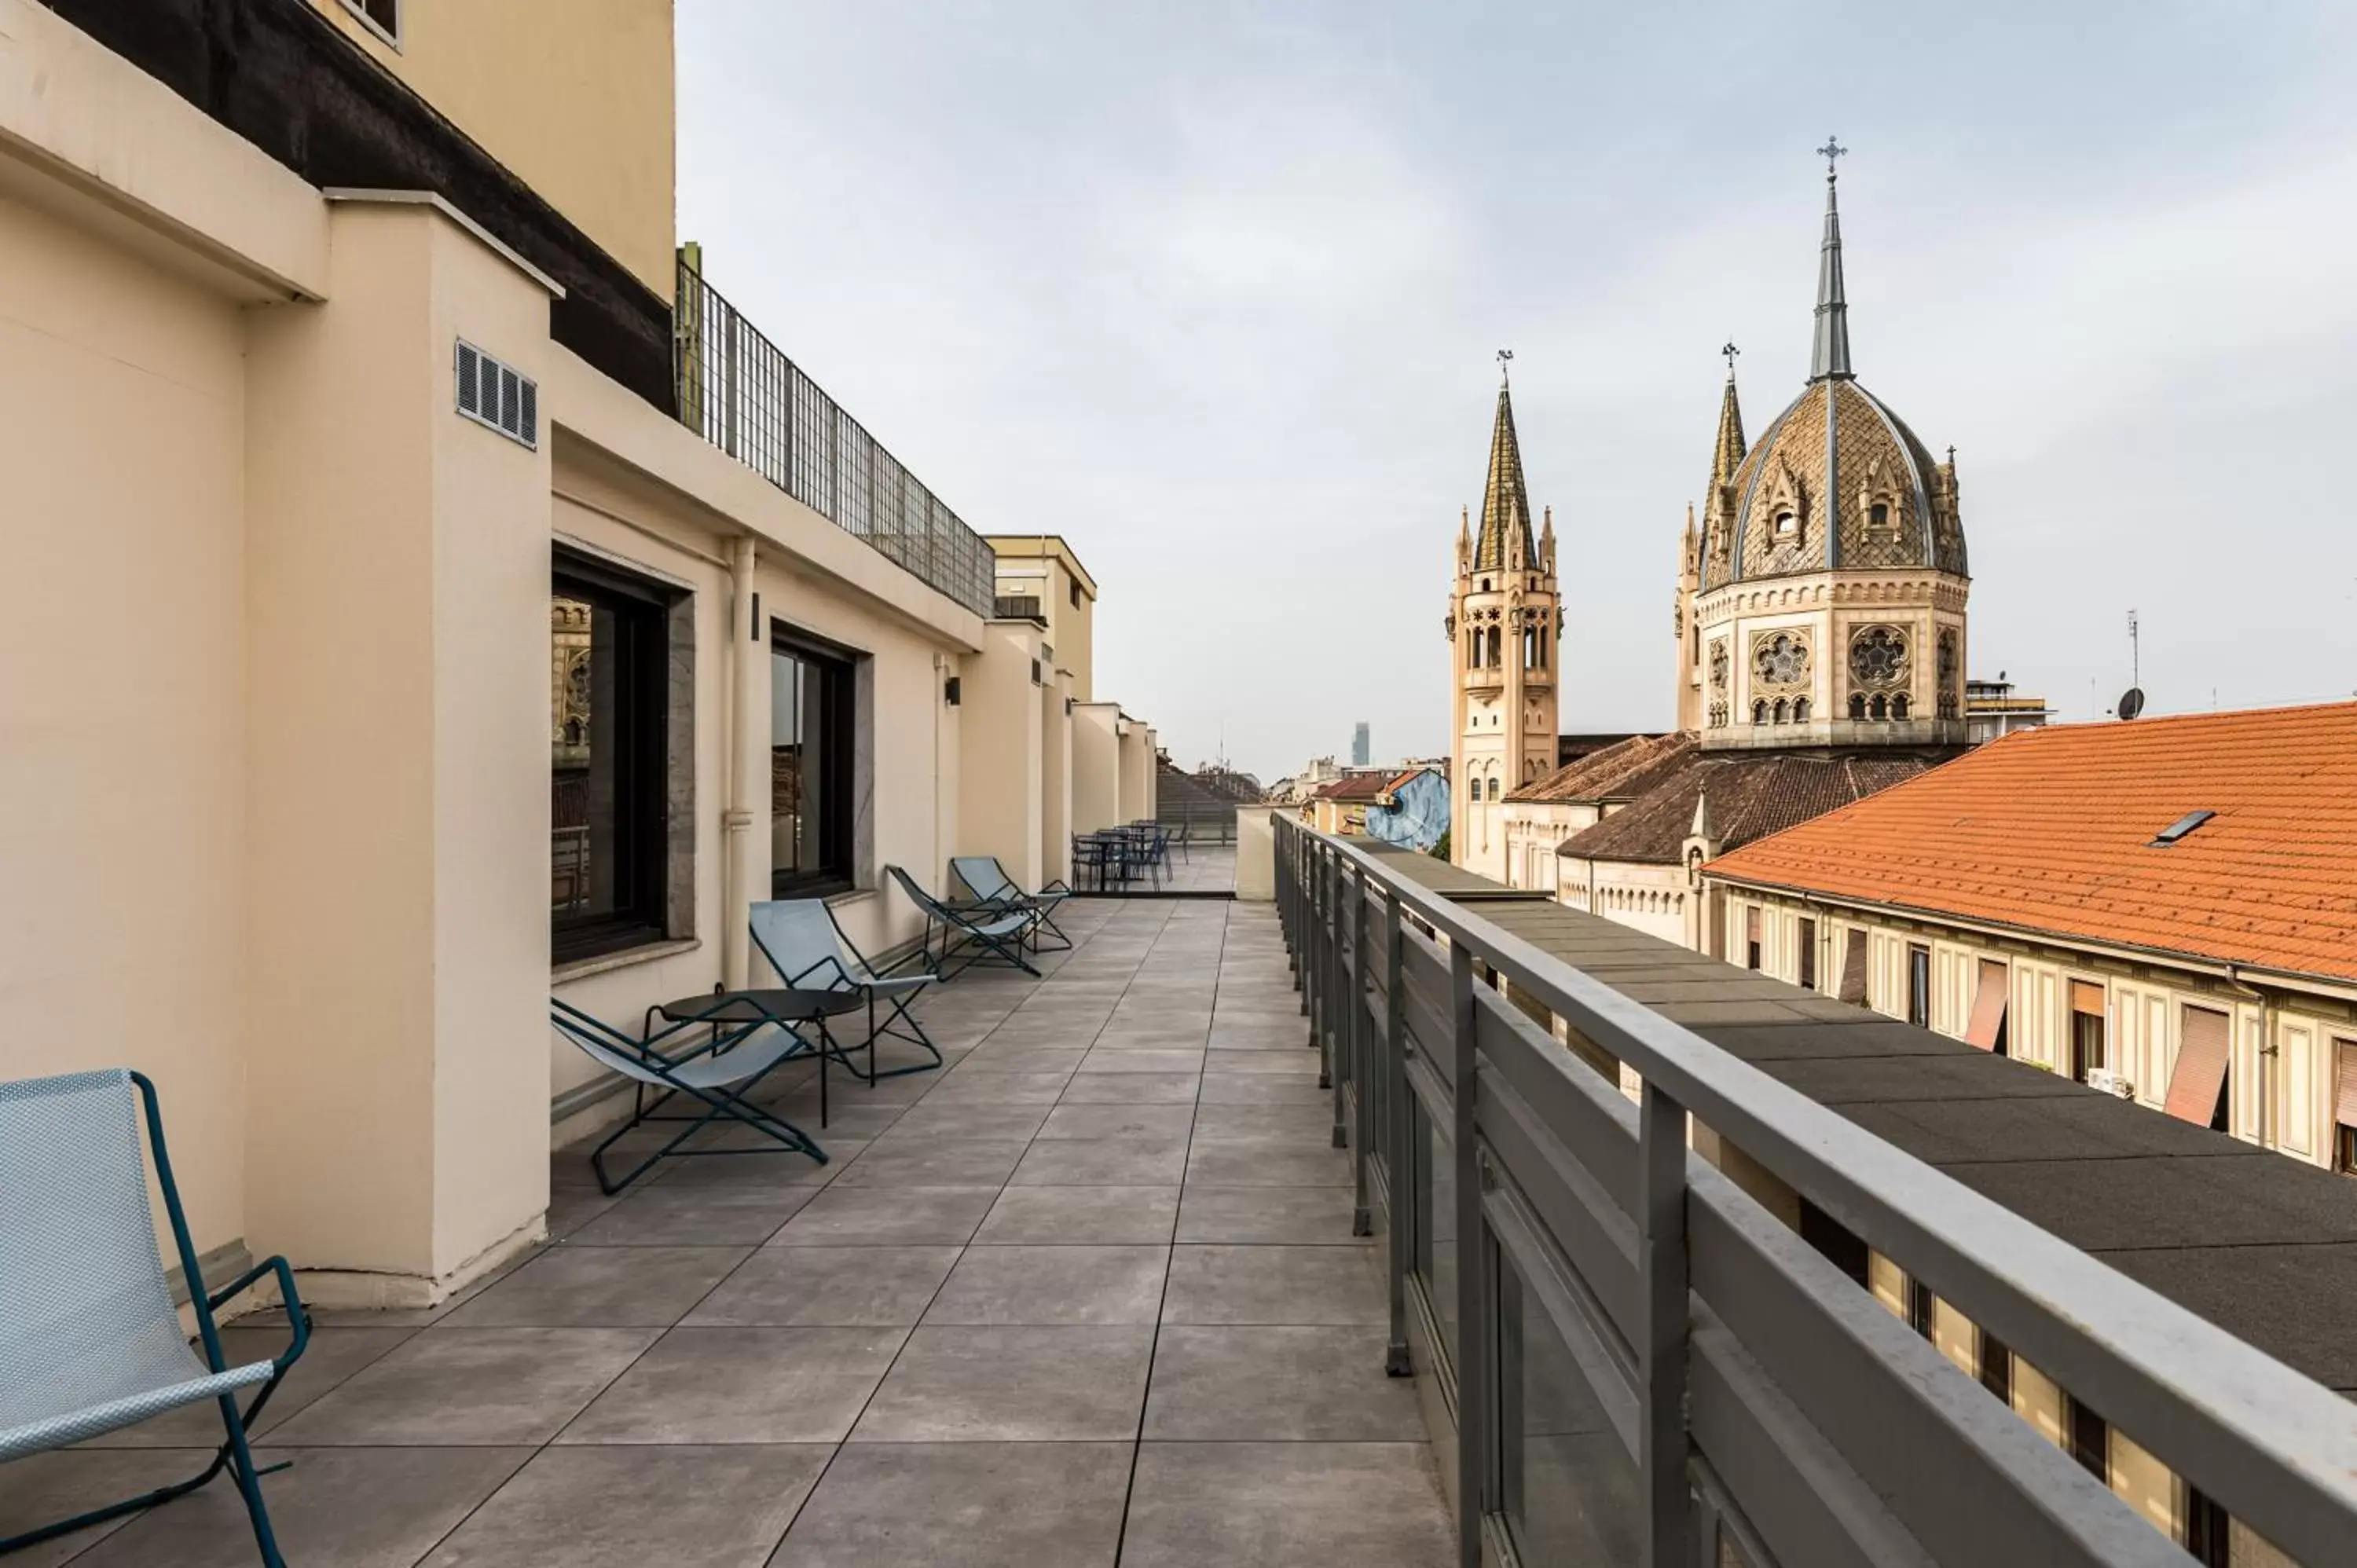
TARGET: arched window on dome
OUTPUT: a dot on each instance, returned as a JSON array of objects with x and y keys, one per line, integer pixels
[
  {"x": 1878, "y": 516},
  {"x": 1857, "y": 705},
  {"x": 1800, "y": 710},
  {"x": 1759, "y": 712},
  {"x": 1879, "y": 708},
  {"x": 1899, "y": 706}
]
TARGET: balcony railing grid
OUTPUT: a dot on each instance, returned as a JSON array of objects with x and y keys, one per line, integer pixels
[
  {"x": 739, "y": 392},
  {"x": 1643, "y": 1364}
]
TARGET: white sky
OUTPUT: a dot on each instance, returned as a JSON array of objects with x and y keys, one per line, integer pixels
[{"x": 1212, "y": 288}]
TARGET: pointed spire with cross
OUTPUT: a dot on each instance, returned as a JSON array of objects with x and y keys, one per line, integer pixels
[
  {"x": 1505, "y": 360},
  {"x": 1829, "y": 355}
]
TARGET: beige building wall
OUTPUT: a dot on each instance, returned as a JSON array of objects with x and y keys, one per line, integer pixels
[
  {"x": 1096, "y": 767},
  {"x": 123, "y": 424},
  {"x": 576, "y": 96},
  {"x": 1136, "y": 799},
  {"x": 2281, "y": 1084},
  {"x": 1056, "y": 780},
  {"x": 1043, "y": 566},
  {"x": 1002, "y": 806}
]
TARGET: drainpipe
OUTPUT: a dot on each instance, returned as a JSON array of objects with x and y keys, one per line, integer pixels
[{"x": 741, "y": 851}]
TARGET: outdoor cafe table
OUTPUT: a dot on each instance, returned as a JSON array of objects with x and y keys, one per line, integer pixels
[{"x": 747, "y": 1011}]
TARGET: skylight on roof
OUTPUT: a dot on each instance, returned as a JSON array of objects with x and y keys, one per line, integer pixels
[{"x": 2178, "y": 829}]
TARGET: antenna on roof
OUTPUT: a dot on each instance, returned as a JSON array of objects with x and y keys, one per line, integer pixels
[{"x": 2135, "y": 674}]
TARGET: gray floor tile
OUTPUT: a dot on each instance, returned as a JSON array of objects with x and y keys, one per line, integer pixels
[
  {"x": 468, "y": 1386},
  {"x": 1132, "y": 1089},
  {"x": 627, "y": 1508},
  {"x": 1278, "y": 1384},
  {"x": 1013, "y": 1385},
  {"x": 1103, "y": 1161},
  {"x": 1232, "y": 1284},
  {"x": 44, "y": 1488},
  {"x": 1305, "y": 1216},
  {"x": 1308, "y": 1123},
  {"x": 1298, "y": 1061},
  {"x": 765, "y": 1169},
  {"x": 1027, "y": 1284},
  {"x": 848, "y": 1288},
  {"x": 355, "y": 1508},
  {"x": 888, "y": 1216},
  {"x": 1287, "y": 1505},
  {"x": 976, "y": 1505},
  {"x": 695, "y": 1216},
  {"x": 969, "y": 1119},
  {"x": 999, "y": 1088},
  {"x": 1019, "y": 1053},
  {"x": 1103, "y": 1060},
  {"x": 741, "y": 1385},
  {"x": 1221, "y": 1087},
  {"x": 914, "y": 1160},
  {"x": 332, "y": 1355},
  {"x": 1146, "y": 1121},
  {"x": 601, "y": 1287},
  {"x": 1266, "y": 1162},
  {"x": 1080, "y": 1215}
]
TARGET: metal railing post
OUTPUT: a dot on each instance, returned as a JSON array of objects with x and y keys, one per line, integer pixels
[
  {"x": 1472, "y": 1319},
  {"x": 1362, "y": 1050},
  {"x": 1396, "y": 1160},
  {"x": 1330, "y": 924},
  {"x": 729, "y": 361},
  {"x": 1351, "y": 972},
  {"x": 1661, "y": 1357}
]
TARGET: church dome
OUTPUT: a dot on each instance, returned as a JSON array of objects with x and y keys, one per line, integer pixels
[{"x": 1837, "y": 482}]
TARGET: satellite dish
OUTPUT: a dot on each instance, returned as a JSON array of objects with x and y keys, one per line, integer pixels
[{"x": 2131, "y": 701}]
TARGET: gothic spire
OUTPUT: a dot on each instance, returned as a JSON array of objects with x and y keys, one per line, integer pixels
[
  {"x": 1505, "y": 503},
  {"x": 1727, "y": 452},
  {"x": 1829, "y": 356}
]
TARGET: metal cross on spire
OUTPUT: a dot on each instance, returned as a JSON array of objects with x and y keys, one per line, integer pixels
[
  {"x": 1505, "y": 357},
  {"x": 1728, "y": 351},
  {"x": 1829, "y": 152}
]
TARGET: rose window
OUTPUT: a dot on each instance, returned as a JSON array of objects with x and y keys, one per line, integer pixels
[
  {"x": 1781, "y": 659},
  {"x": 1878, "y": 656}
]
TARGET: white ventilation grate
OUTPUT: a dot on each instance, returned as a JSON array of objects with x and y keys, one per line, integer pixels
[{"x": 491, "y": 393}]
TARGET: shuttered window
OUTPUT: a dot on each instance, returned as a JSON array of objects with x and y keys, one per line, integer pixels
[
  {"x": 2196, "y": 1082},
  {"x": 1853, "y": 982},
  {"x": 1988, "y": 1006}
]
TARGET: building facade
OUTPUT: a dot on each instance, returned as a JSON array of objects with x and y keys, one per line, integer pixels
[
  {"x": 493, "y": 636},
  {"x": 2155, "y": 909},
  {"x": 1504, "y": 625}
]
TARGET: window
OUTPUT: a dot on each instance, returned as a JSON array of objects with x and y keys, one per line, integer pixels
[
  {"x": 1788, "y": 525},
  {"x": 1995, "y": 1362},
  {"x": 2091, "y": 1439},
  {"x": 1857, "y": 706},
  {"x": 811, "y": 730},
  {"x": 608, "y": 757},
  {"x": 1878, "y": 516},
  {"x": 1800, "y": 710},
  {"x": 1898, "y": 707},
  {"x": 1919, "y": 985},
  {"x": 2344, "y": 1106},
  {"x": 1074, "y": 592},
  {"x": 1751, "y": 937},
  {"x": 1808, "y": 954},
  {"x": 383, "y": 16},
  {"x": 2087, "y": 1053}
]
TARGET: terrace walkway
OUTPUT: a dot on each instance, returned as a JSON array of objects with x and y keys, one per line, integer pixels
[{"x": 1089, "y": 1296}]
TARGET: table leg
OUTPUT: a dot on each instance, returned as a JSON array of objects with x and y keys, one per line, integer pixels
[{"x": 825, "y": 1049}]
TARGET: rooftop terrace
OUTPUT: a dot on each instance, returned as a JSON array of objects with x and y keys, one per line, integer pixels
[{"x": 1089, "y": 1296}]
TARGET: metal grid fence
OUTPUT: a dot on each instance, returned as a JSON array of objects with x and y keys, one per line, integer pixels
[{"x": 739, "y": 392}]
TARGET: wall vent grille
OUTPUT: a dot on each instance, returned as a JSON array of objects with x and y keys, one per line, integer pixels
[{"x": 494, "y": 394}]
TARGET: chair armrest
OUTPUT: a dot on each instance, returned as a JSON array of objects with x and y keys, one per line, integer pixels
[
  {"x": 298, "y": 1316},
  {"x": 795, "y": 982}
]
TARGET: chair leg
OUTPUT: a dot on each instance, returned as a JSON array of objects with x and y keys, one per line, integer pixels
[{"x": 249, "y": 1484}]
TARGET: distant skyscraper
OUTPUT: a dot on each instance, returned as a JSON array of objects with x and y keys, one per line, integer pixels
[{"x": 1361, "y": 746}]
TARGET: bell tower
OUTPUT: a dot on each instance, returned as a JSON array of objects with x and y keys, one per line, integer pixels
[{"x": 1505, "y": 621}]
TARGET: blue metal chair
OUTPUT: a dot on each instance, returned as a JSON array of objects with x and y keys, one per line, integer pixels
[
  {"x": 995, "y": 936},
  {"x": 994, "y": 890},
  {"x": 800, "y": 938},
  {"x": 89, "y": 1340},
  {"x": 717, "y": 1074}
]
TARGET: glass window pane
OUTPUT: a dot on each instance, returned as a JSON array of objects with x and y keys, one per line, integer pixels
[
  {"x": 1571, "y": 1490},
  {"x": 1435, "y": 1214},
  {"x": 605, "y": 766},
  {"x": 570, "y": 622},
  {"x": 787, "y": 773}
]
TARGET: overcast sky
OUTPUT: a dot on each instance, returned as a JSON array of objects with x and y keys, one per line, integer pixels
[{"x": 1213, "y": 289}]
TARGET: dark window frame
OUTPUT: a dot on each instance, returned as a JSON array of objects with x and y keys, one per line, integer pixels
[
  {"x": 1808, "y": 940},
  {"x": 1919, "y": 985},
  {"x": 839, "y": 718},
  {"x": 367, "y": 10},
  {"x": 642, "y": 607}
]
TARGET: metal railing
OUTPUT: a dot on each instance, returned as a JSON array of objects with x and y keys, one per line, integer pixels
[
  {"x": 1639, "y": 1363},
  {"x": 739, "y": 392}
]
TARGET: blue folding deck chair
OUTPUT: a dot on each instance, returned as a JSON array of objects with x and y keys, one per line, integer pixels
[
  {"x": 994, "y": 890},
  {"x": 89, "y": 1340},
  {"x": 717, "y": 1074},
  {"x": 809, "y": 951},
  {"x": 995, "y": 935}
]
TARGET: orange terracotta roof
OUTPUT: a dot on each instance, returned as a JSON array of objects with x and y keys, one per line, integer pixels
[
  {"x": 2051, "y": 830},
  {"x": 1752, "y": 795}
]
